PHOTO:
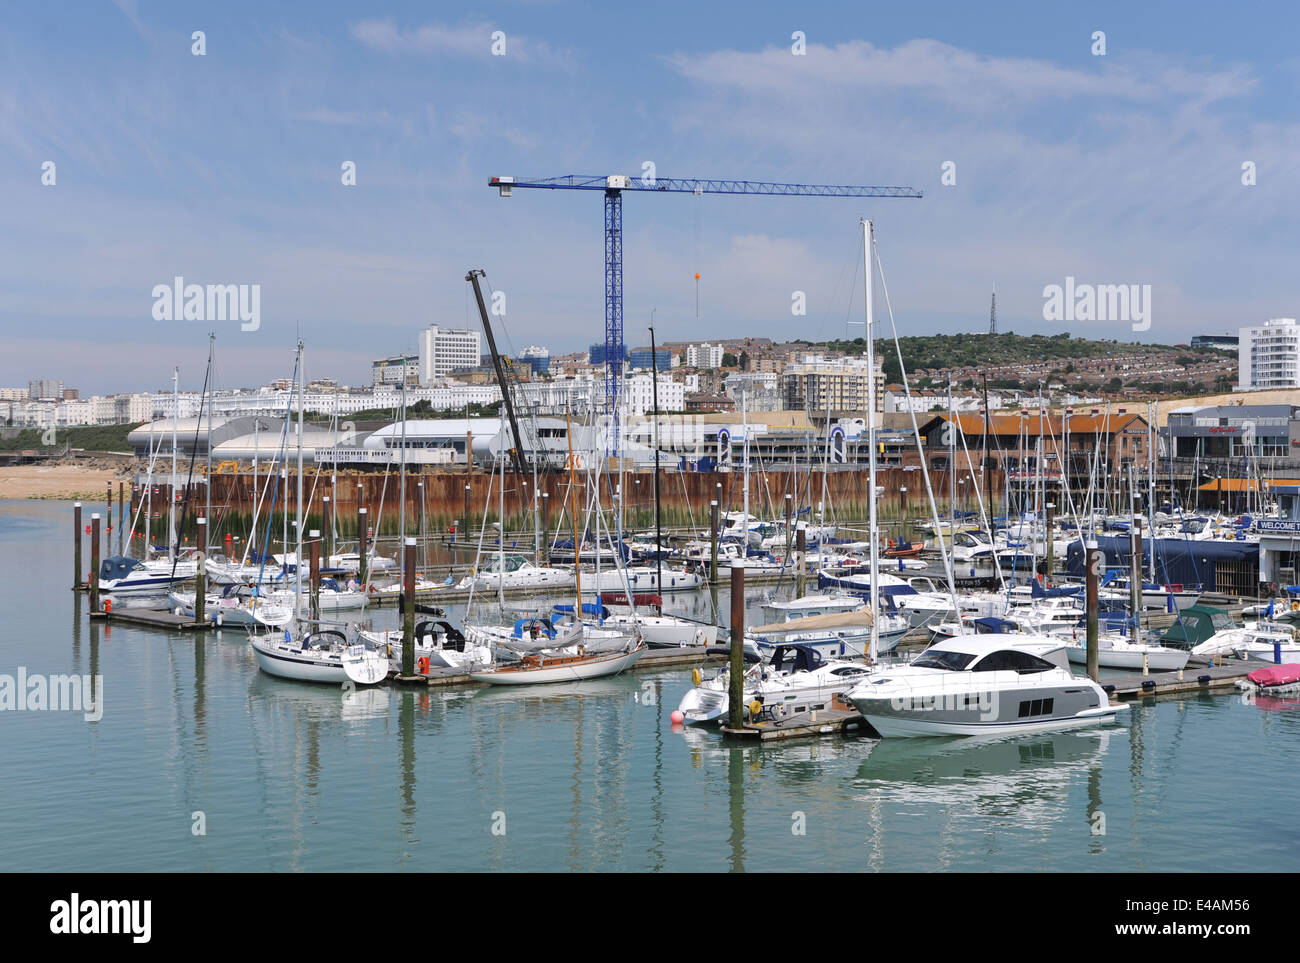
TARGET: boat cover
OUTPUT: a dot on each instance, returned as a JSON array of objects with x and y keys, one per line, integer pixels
[
  {"x": 1273, "y": 675},
  {"x": 115, "y": 567}
]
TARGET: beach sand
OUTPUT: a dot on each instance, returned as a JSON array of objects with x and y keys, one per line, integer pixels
[{"x": 57, "y": 481}]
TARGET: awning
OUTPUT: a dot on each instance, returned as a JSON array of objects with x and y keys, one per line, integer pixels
[{"x": 831, "y": 620}]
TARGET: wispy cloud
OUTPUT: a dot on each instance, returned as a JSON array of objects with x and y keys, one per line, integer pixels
[
  {"x": 469, "y": 40},
  {"x": 950, "y": 74}
]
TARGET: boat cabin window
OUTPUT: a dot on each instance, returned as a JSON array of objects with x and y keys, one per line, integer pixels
[
  {"x": 1009, "y": 660},
  {"x": 942, "y": 659}
]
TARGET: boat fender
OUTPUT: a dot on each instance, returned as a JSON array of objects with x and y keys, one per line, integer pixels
[
  {"x": 696, "y": 678},
  {"x": 755, "y": 708},
  {"x": 700, "y": 637}
]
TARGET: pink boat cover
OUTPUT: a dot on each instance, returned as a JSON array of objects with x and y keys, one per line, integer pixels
[{"x": 1276, "y": 675}]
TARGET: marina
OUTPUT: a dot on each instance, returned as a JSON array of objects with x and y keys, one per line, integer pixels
[
  {"x": 550, "y": 440},
  {"x": 295, "y": 776}
]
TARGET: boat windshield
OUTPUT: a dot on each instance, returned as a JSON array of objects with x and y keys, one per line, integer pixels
[{"x": 952, "y": 661}]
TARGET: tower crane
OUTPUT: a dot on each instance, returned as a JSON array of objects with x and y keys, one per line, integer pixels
[{"x": 613, "y": 186}]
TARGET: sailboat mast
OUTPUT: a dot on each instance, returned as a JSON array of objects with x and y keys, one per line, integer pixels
[
  {"x": 501, "y": 527},
  {"x": 297, "y": 556},
  {"x": 172, "y": 536},
  {"x": 868, "y": 242},
  {"x": 573, "y": 488},
  {"x": 207, "y": 510},
  {"x": 401, "y": 510},
  {"x": 659, "y": 535},
  {"x": 744, "y": 468}
]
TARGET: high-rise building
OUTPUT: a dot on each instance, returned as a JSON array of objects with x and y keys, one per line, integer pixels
[
  {"x": 391, "y": 371},
  {"x": 641, "y": 358},
  {"x": 596, "y": 354},
  {"x": 704, "y": 355},
  {"x": 816, "y": 382},
  {"x": 1269, "y": 355},
  {"x": 45, "y": 389},
  {"x": 537, "y": 358},
  {"x": 444, "y": 349}
]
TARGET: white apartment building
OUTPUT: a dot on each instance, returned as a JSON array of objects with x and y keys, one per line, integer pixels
[
  {"x": 96, "y": 410},
  {"x": 638, "y": 397},
  {"x": 45, "y": 389},
  {"x": 759, "y": 390},
  {"x": 444, "y": 349},
  {"x": 393, "y": 371},
  {"x": 704, "y": 355},
  {"x": 816, "y": 383},
  {"x": 1269, "y": 355}
]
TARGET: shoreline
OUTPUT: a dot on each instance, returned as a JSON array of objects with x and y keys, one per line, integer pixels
[{"x": 57, "y": 482}]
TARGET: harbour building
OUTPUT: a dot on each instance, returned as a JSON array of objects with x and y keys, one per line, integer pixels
[{"x": 1269, "y": 355}]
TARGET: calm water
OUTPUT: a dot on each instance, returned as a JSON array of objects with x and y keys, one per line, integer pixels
[{"x": 296, "y": 777}]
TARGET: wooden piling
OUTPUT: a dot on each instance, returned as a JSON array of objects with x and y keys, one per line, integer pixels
[
  {"x": 315, "y": 574},
  {"x": 801, "y": 552},
  {"x": 1135, "y": 570},
  {"x": 329, "y": 522},
  {"x": 736, "y": 678},
  {"x": 76, "y": 545},
  {"x": 361, "y": 542},
  {"x": 546, "y": 526},
  {"x": 713, "y": 541},
  {"x": 1051, "y": 556},
  {"x": 408, "y": 609},
  {"x": 94, "y": 562},
  {"x": 1093, "y": 563},
  {"x": 201, "y": 582},
  {"x": 108, "y": 519}
]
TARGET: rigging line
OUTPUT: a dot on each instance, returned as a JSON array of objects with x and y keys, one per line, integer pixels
[
  {"x": 925, "y": 468},
  {"x": 194, "y": 452},
  {"x": 987, "y": 519},
  {"x": 284, "y": 435},
  {"x": 478, "y": 552}
]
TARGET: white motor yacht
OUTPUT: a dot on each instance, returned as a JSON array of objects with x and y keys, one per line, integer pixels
[
  {"x": 976, "y": 684},
  {"x": 795, "y": 679}
]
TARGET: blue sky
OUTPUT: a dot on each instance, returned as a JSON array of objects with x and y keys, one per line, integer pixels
[{"x": 225, "y": 168}]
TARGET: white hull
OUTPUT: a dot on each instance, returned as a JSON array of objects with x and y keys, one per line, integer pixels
[
  {"x": 895, "y": 726},
  {"x": 590, "y": 667},
  {"x": 276, "y": 658},
  {"x": 1159, "y": 658}
]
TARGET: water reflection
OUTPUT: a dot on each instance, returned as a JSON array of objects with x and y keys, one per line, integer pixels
[{"x": 1022, "y": 781}]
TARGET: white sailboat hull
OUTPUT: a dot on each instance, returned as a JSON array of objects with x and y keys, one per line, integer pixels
[{"x": 564, "y": 669}]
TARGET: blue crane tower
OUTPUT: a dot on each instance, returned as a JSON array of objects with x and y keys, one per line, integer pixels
[{"x": 614, "y": 185}]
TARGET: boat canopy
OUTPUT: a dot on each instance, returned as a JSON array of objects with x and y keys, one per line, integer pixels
[
  {"x": 588, "y": 608},
  {"x": 1195, "y": 625},
  {"x": 543, "y": 626},
  {"x": 115, "y": 567},
  {"x": 795, "y": 658}
]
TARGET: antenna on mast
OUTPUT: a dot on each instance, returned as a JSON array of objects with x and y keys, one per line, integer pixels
[{"x": 993, "y": 314}]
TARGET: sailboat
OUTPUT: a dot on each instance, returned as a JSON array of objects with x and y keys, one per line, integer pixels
[
  {"x": 312, "y": 652},
  {"x": 560, "y": 653}
]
